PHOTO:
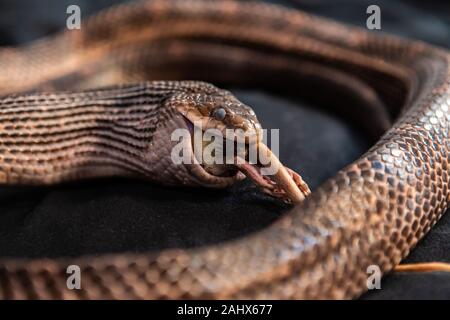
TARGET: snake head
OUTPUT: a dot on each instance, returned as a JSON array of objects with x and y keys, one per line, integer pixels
[
  {"x": 223, "y": 133},
  {"x": 220, "y": 111}
]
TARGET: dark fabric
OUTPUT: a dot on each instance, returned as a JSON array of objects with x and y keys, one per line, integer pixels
[{"x": 117, "y": 215}]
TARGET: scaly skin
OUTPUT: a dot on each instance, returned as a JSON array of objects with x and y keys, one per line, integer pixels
[{"x": 374, "y": 211}]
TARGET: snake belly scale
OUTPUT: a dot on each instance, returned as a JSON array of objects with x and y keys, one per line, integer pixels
[{"x": 374, "y": 211}]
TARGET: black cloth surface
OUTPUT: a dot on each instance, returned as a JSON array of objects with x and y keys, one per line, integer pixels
[{"x": 117, "y": 215}]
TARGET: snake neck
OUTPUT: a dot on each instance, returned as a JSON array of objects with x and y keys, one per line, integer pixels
[
  {"x": 48, "y": 138},
  {"x": 126, "y": 131}
]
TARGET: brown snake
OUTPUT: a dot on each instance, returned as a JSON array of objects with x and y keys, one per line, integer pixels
[{"x": 373, "y": 211}]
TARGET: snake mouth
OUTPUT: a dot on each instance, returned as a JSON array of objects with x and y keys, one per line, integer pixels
[
  {"x": 265, "y": 170},
  {"x": 222, "y": 168},
  {"x": 214, "y": 176}
]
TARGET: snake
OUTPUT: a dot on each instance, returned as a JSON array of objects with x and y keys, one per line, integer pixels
[{"x": 104, "y": 99}]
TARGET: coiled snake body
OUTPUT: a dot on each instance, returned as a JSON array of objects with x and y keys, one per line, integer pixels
[{"x": 371, "y": 213}]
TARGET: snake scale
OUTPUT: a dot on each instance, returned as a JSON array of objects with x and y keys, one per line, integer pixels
[{"x": 373, "y": 212}]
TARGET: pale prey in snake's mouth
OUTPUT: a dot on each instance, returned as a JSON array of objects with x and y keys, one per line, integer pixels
[{"x": 236, "y": 124}]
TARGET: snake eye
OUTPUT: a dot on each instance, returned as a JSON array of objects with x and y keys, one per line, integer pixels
[{"x": 219, "y": 114}]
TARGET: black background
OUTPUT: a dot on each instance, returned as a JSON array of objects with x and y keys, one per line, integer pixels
[{"x": 117, "y": 215}]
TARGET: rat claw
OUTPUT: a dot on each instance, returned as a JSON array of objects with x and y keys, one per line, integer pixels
[
  {"x": 278, "y": 193},
  {"x": 299, "y": 181}
]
